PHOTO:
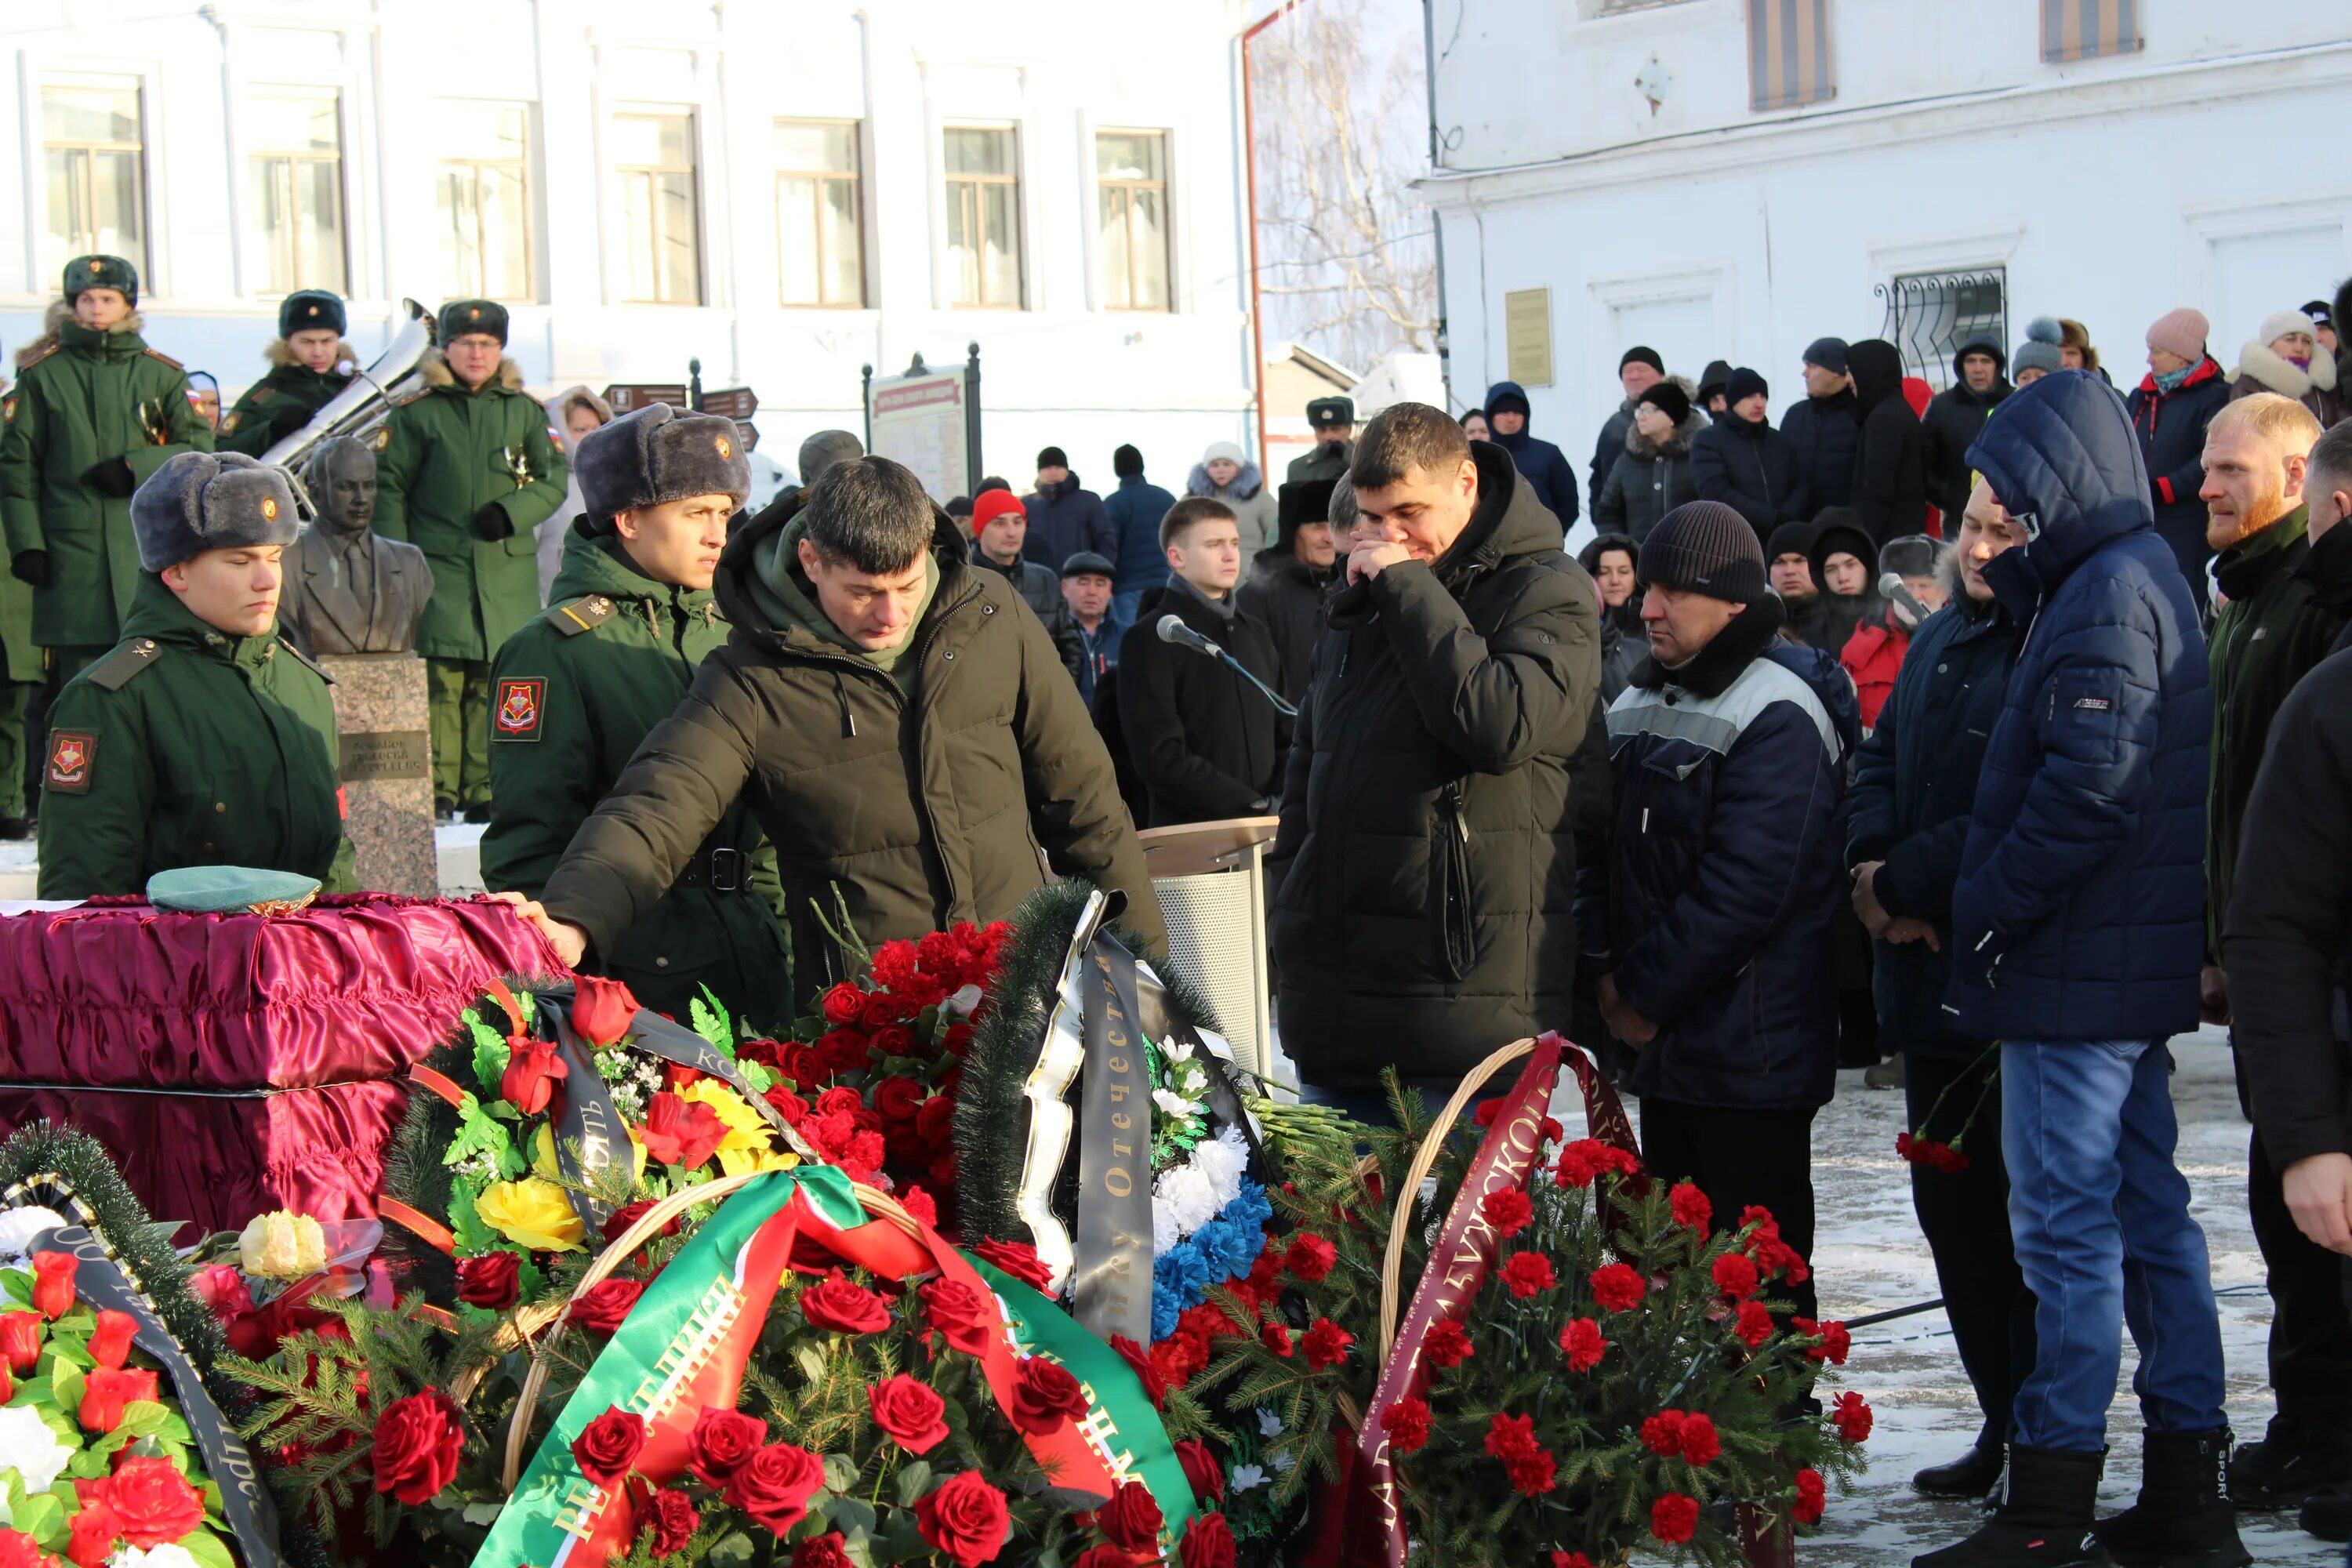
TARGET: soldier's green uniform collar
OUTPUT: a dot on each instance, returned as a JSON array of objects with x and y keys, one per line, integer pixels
[
  {"x": 122, "y": 342},
  {"x": 599, "y": 565},
  {"x": 156, "y": 611}
]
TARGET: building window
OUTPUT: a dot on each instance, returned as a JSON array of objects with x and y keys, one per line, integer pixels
[
  {"x": 984, "y": 216},
  {"x": 1931, "y": 314},
  {"x": 1788, "y": 53},
  {"x": 1131, "y": 217},
  {"x": 484, "y": 190},
  {"x": 95, "y": 159},
  {"x": 296, "y": 165},
  {"x": 653, "y": 160},
  {"x": 820, "y": 214},
  {"x": 2086, "y": 29}
]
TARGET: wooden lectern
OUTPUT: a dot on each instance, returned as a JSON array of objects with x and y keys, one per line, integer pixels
[{"x": 1210, "y": 877}]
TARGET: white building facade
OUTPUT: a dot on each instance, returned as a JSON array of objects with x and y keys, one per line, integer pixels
[
  {"x": 787, "y": 191},
  {"x": 1732, "y": 179}
]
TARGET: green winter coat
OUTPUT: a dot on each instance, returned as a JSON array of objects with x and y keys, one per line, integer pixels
[
  {"x": 899, "y": 810},
  {"x": 573, "y": 694},
  {"x": 446, "y": 455},
  {"x": 1327, "y": 461},
  {"x": 188, "y": 747},
  {"x": 2267, "y": 638},
  {"x": 283, "y": 400},
  {"x": 85, "y": 399}
]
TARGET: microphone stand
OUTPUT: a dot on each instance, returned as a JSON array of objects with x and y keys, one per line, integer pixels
[{"x": 1230, "y": 662}]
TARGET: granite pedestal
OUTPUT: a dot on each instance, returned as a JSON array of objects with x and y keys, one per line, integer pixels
[{"x": 387, "y": 769}]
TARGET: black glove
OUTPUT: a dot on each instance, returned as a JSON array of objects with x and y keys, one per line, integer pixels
[
  {"x": 112, "y": 478},
  {"x": 493, "y": 523},
  {"x": 31, "y": 566}
]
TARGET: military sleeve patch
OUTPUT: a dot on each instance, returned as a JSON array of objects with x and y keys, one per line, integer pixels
[
  {"x": 555, "y": 436},
  {"x": 73, "y": 755},
  {"x": 521, "y": 704},
  {"x": 382, "y": 438},
  {"x": 229, "y": 425},
  {"x": 7, "y": 410}
]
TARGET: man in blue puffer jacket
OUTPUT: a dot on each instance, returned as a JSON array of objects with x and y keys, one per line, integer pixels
[
  {"x": 2078, "y": 932},
  {"x": 1711, "y": 912}
]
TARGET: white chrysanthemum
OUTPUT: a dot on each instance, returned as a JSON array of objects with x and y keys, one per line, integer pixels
[{"x": 29, "y": 1447}]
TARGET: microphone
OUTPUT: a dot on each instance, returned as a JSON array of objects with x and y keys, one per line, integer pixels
[
  {"x": 1891, "y": 589},
  {"x": 1172, "y": 629}
]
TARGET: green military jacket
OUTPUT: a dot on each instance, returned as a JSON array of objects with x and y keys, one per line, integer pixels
[
  {"x": 572, "y": 695},
  {"x": 445, "y": 455},
  {"x": 283, "y": 400},
  {"x": 2267, "y": 638},
  {"x": 188, "y": 747},
  {"x": 1327, "y": 461},
  {"x": 87, "y": 398}
]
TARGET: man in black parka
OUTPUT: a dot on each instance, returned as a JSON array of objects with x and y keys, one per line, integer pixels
[{"x": 1428, "y": 826}]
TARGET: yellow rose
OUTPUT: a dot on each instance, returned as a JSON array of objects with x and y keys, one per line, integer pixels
[
  {"x": 282, "y": 1245},
  {"x": 543, "y": 1153},
  {"x": 533, "y": 1211},
  {"x": 749, "y": 1145}
]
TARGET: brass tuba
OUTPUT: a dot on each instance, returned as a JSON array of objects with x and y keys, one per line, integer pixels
[{"x": 363, "y": 405}]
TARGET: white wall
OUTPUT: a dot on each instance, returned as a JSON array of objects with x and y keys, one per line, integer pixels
[
  {"x": 1062, "y": 370},
  {"x": 2111, "y": 191}
]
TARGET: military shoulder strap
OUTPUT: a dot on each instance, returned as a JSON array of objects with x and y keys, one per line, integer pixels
[
  {"x": 313, "y": 666},
  {"x": 167, "y": 359},
  {"x": 112, "y": 672},
  {"x": 581, "y": 614},
  {"x": 38, "y": 358}
]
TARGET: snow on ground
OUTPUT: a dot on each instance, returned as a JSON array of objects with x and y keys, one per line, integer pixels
[{"x": 1869, "y": 1257}]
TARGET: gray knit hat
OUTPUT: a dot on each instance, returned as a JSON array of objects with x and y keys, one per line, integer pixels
[
  {"x": 656, "y": 454},
  {"x": 2040, "y": 351},
  {"x": 1705, "y": 547},
  {"x": 210, "y": 500}
]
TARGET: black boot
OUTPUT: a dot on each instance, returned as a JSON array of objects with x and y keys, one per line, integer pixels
[
  {"x": 1971, "y": 1475},
  {"x": 2183, "y": 1518},
  {"x": 2327, "y": 1515},
  {"x": 2041, "y": 1517},
  {"x": 2285, "y": 1467}
]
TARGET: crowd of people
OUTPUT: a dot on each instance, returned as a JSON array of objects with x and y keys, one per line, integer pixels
[{"x": 1982, "y": 741}]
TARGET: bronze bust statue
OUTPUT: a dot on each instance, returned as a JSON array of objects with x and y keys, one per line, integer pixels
[{"x": 350, "y": 590}]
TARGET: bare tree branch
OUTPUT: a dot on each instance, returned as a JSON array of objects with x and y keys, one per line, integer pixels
[{"x": 1340, "y": 137}]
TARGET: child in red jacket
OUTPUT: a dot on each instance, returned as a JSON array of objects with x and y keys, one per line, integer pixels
[{"x": 1914, "y": 589}]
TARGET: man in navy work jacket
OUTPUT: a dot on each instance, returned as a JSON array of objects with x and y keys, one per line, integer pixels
[
  {"x": 2078, "y": 931},
  {"x": 1722, "y": 876}
]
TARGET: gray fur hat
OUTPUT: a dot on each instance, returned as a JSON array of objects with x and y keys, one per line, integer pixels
[
  {"x": 210, "y": 500},
  {"x": 658, "y": 454}
]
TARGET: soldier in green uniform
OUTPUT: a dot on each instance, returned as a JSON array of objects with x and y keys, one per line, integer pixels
[
  {"x": 203, "y": 739},
  {"x": 308, "y": 363},
  {"x": 577, "y": 688},
  {"x": 468, "y": 470},
  {"x": 1334, "y": 422},
  {"x": 94, "y": 413}
]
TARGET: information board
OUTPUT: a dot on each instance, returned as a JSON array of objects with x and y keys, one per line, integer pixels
[{"x": 920, "y": 420}]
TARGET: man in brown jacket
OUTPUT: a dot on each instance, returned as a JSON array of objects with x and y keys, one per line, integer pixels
[{"x": 906, "y": 732}]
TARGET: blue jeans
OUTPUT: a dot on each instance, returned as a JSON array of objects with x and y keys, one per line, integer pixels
[{"x": 2100, "y": 1216}]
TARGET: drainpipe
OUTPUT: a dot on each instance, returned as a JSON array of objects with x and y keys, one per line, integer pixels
[
  {"x": 1436, "y": 229},
  {"x": 1249, "y": 148}
]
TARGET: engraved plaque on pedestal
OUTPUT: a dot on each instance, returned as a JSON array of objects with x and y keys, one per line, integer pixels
[{"x": 386, "y": 769}]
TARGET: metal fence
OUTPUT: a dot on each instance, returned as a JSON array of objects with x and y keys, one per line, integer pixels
[{"x": 1931, "y": 314}]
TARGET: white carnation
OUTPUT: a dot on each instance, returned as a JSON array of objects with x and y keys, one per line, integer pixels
[
  {"x": 29, "y": 1447},
  {"x": 1187, "y": 1198},
  {"x": 1222, "y": 1162}
]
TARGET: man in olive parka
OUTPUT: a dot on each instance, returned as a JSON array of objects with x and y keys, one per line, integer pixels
[
  {"x": 467, "y": 471},
  {"x": 310, "y": 362},
  {"x": 95, "y": 411},
  {"x": 576, "y": 691},
  {"x": 203, "y": 738}
]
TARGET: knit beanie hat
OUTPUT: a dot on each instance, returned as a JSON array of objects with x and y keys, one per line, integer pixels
[
  {"x": 1639, "y": 354},
  {"x": 1703, "y": 547},
  {"x": 1744, "y": 383},
  {"x": 1053, "y": 457},
  {"x": 2182, "y": 332},
  {"x": 2280, "y": 324},
  {"x": 2040, "y": 351},
  {"x": 1789, "y": 538},
  {"x": 1669, "y": 399},
  {"x": 990, "y": 505},
  {"x": 1126, "y": 463},
  {"x": 1827, "y": 353}
]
